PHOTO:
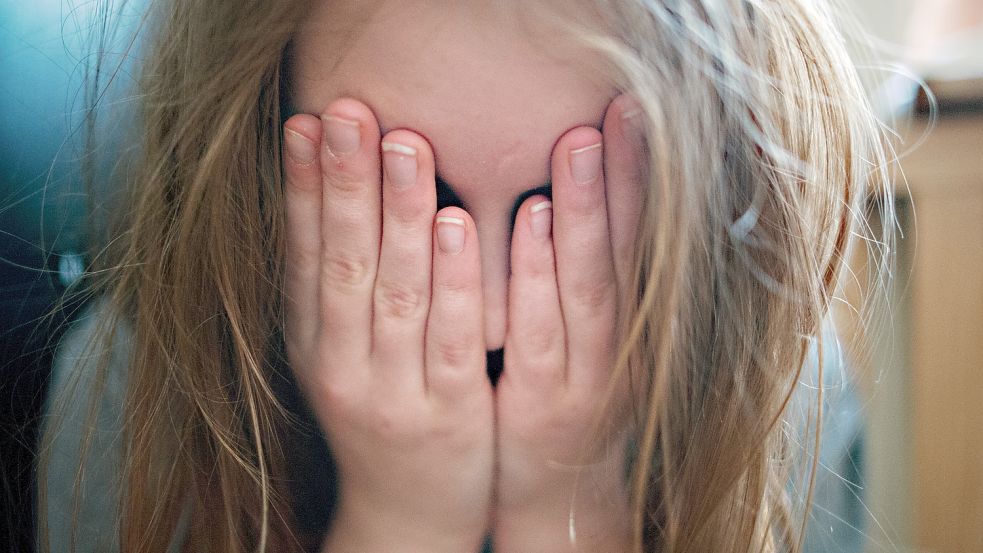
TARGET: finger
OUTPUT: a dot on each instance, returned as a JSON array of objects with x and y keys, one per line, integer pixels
[
  {"x": 535, "y": 343},
  {"x": 350, "y": 224},
  {"x": 624, "y": 184},
  {"x": 402, "y": 287},
  {"x": 584, "y": 265},
  {"x": 302, "y": 198},
  {"x": 455, "y": 339}
]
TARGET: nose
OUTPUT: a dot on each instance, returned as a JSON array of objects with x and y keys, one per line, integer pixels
[
  {"x": 494, "y": 225},
  {"x": 494, "y": 237}
]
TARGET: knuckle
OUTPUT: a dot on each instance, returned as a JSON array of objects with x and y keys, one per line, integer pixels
[
  {"x": 457, "y": 291},
  {"x": 596, "y": 296},
  {"x": 545, "y": 343},
  {"x": 542, "y": 364},
  {"x": 390, "y": 423},
  {"x": 447, "y": 432},
  {"x": 345, "y": 269},
  {"x": 543, "y": 271},
  {"x": 341, "y": 400},
  {"x": 302, "y": 179},
  {"x": 411, "y": 214},
  {"x": 342, "y": 180},
  {"x": 398, "y": 300},
  {"x": 302, "y": 262},
  {"x": 454, "y": 353}
]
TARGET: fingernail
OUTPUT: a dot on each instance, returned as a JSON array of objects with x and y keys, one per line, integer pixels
[
  {"x": 541, "y": 219},
  {"x": 299, "y": 147},
  {"x": 450, "y": 234},
  {"x": 399, "y": 162},
  {"x": 342, "y": 135},
  {"x": 631, "y": 125},
  {"x": 585, "y": 163}
]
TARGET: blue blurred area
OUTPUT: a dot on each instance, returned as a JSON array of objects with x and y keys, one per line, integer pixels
[
  {"x": 40, "y": 87},
  {"x": 50, "y": 53},
  {"x": 43, "y": 206}
]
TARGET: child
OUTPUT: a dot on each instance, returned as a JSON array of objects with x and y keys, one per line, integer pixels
[{"x": 645, "y": 210}]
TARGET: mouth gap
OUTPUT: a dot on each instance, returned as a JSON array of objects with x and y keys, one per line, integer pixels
[{"x": 493, "y": 364}]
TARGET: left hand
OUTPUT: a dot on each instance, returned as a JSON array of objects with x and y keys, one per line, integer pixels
[{"x": 565, "y": 295}]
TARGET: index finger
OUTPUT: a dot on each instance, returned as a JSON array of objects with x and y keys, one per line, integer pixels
[
  {"x": 625, "y": 180},
  {"x": 350, "y": 225}
]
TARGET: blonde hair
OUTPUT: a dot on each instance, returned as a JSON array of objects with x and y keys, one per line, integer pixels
[{"x": 762, "y": 156}]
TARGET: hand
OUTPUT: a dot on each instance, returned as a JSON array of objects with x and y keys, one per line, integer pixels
[
  {"x": 565, "y": 294},
  {"x": 384, "y": 332}
]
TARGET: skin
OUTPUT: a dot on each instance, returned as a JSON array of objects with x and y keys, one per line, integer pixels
[{"x": 387, "y": 326}]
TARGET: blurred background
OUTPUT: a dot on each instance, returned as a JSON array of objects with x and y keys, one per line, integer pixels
[
  {"x": 918, "y": 364},
  {"x": 904, "y": 458}
]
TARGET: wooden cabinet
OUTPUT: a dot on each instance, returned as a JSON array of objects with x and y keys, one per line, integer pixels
[
  {"x": 945, "y": 331},
  {"x": 923, "y": 381}
]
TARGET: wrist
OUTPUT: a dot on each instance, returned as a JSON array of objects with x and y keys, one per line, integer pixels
[
  {"x": 376, "y": 532},
  {"x": 585, "y": 510},
  {"x": 606, "y": 528}
]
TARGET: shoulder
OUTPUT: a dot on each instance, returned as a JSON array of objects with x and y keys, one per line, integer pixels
[
  {"x": 91, "y": 360},
  {"x": 81, "y": 432}
]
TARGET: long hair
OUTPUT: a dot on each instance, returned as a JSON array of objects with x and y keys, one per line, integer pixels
[{"x": 762, "y": 156}]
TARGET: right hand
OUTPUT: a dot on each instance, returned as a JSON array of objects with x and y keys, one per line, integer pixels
[{"x": 384, "y": 333}]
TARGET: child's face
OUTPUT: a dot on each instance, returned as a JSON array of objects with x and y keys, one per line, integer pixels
[{"x": 492, "y": 94}]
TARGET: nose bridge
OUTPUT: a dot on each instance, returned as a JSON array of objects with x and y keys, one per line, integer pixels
[{"x": 494, "y": 237}]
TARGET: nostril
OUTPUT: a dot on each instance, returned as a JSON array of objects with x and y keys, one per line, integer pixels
[
  {"x": 445, "y": 196},
  {"x": 493, "y": 362}
]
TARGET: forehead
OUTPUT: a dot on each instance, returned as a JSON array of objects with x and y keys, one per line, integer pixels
[{"x": 491, "y": 88}]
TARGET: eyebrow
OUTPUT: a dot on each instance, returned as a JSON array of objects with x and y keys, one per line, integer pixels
[{"x": 447, "y": 197}]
